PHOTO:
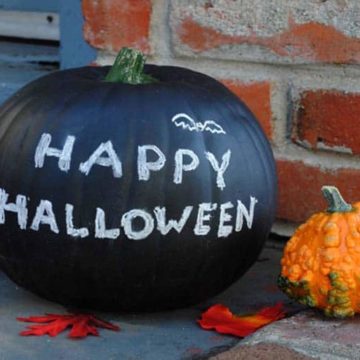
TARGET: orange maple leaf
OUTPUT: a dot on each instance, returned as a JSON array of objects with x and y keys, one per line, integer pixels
[
  {"x": 221, "y": 319},
  {"x": 81, "y": 325}
]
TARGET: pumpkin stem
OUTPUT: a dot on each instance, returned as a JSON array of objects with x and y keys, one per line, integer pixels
[
  {"x": 335, "y": 200},
  {"x": 128, "y": 68}
]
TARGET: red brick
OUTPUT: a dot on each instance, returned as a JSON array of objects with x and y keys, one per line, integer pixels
[
  {"x": 257, "y": 96},
  {"x": 300, "y": 188},
  {"x": 113, "y": 24},
  {"x": 302, "y": 42},
  {"x": 329, "y": 118}
]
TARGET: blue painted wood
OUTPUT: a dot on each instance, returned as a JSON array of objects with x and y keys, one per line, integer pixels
[
  {"x": 21, "y": 63},
  {"x": 15, "y": 53},
  {"x": 12, "y": 78},
  {"x": 31, "y": 5},
  {"x": 74, "y": 50}
]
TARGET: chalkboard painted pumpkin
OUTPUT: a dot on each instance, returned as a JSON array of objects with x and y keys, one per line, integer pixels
[{"x": 138, "y": 188}]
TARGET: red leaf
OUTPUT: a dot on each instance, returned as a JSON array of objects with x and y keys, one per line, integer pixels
[
  {"x": 221, "y": 319},
  {"x": 81, "y": 325}
]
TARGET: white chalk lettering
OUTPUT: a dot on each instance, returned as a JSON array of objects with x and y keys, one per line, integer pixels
[
  {"x": 200, "y": 227},
  {"x": 163, "y": 227},
  {"x": 45, "y": 215},
  {"x": 225, "y": 230},
  {"x": 70, "y": 230},
  {"x": 19, "y": 207},
  {"x": 43, "y": 149},
  {"x": 137, "y": 224},
  {"x": 243, "y": 212},
  {"x": 180, "y": 167},
  {"x": 219, "y": 169},
  {"x": 145, "y": 166},
  {"x": 96, "y": 157},
  {"x": 127, "y": 223},
  {"x": 100, "y": 228}
]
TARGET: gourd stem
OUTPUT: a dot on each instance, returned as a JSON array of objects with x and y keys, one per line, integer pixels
[
  {"x": 335, "y": 200},
  {"x": 128, "y": 68}
]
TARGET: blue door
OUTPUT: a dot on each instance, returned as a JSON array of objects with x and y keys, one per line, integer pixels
[
  {"x": 30, "y": 43},
  {"x": 31, "y": 5}
]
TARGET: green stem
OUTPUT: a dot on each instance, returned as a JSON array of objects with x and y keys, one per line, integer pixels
[
  {"x": 335, "y": 200},
  {"x": 128, "y": 68}
]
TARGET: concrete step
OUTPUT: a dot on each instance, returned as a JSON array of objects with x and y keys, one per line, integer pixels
[{"x": 165, "y": 335}]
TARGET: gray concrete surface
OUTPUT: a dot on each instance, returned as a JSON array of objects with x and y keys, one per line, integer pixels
[
  {"x": 176, "y": 335},
  {"x": 311, "y": 334},
  {"x": 261, "y": 351},
  {"x": 167, "y": 335}
]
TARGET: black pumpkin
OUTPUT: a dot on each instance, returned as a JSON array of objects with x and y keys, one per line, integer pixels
[{"x": 77, "y": 151}]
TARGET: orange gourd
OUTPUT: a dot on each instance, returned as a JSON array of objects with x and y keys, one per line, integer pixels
[{"x": 321, "y": 262}]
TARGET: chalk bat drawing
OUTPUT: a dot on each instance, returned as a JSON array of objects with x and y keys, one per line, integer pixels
[{"x": 186, "y": 122}]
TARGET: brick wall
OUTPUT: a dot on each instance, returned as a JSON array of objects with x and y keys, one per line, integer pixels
[{"x": 295, "y": 63}]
